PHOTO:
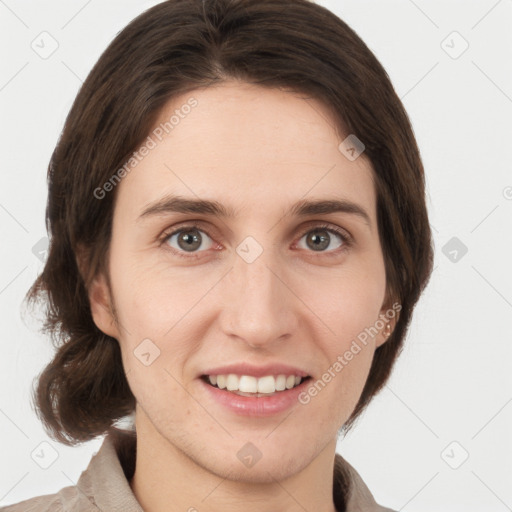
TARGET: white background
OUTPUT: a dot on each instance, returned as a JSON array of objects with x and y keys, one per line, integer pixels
[{"x": 453, "y": 381}]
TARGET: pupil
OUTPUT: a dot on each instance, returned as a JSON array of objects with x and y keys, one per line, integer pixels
[
  {"x": 319, "y": 239},
  {"x": 189, "y": 241}
]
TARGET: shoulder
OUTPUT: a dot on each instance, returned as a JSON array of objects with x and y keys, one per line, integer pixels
[
  {"x": 37, "y": 504},
  {"x": 357, "y": 495},
  {"x": 102, "y": 487},
  {"x": 67, "y": 499}
]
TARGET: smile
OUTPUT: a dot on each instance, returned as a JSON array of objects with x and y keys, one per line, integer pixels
[
  {"x": 271, "y": 400},
  {"x": 248, "y": 385}
]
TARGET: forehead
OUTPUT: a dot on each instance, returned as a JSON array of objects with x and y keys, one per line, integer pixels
[{"x": 249, "y": 147}]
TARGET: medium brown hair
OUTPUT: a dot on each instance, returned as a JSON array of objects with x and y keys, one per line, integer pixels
[{"x": 171, "y": 49}]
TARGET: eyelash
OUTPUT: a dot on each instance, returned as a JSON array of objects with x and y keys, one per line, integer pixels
[{"x": 347, "y": 239}]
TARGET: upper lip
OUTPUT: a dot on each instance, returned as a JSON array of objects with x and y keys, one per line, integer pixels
[{"x": 256, "y": 371}]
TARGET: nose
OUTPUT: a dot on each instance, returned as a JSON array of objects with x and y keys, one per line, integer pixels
[{"x": 260, "y": 308}]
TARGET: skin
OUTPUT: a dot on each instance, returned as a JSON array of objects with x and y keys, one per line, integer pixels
[{"x": 259, "y": 151}]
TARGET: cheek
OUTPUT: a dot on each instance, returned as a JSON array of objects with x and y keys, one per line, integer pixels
[
  {"x": 163, "y": 312},
  {"x": 151, "y": 295},
  {"x": 348, "y": 307},
  {"x": 346, "y": 303}
]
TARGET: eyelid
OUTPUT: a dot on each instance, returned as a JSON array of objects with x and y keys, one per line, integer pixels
[
  {"x": 345, "y": 236},
  {"x": 311, "y": 226},
  {"x": 184, "y": 226},
  {"x": 319, "y": 224}
]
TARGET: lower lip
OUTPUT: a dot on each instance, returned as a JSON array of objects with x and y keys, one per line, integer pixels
[{"x": 257, "y": 406}]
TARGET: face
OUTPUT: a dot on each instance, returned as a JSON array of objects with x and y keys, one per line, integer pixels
[{"x": 196, "y": 291}]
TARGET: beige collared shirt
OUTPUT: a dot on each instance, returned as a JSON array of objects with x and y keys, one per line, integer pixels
[{"x": 104, "y": 485}]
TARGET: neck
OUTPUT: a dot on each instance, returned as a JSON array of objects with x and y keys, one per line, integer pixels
[{"x": 167, "y": 479}]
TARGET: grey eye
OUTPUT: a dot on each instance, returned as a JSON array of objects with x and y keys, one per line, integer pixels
[
  {"x": 188, "y": 240},
  {"x": 318, "y": 239}
]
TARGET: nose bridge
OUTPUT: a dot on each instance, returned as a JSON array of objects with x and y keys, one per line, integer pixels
[{"x": 260, "y": 306}]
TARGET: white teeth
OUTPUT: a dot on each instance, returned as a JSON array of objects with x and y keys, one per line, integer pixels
[
  {"x": 290, "y": 382},
  {"x": 281, "y": 383},
  {"x": 249, "y": 384},
  {"x": 232, "y": 382},
  {"x": 265, "y": 384},
  {"x": 221, "y": 381}
]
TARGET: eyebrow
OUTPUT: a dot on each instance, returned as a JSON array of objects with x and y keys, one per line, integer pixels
[{"x": 302, "y": 208}]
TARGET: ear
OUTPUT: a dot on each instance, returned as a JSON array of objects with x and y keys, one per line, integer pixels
[
  {"x": 99, "y": 295},
  {"x": 389, "y": 314},
  {"x": 101, "y": 306}
]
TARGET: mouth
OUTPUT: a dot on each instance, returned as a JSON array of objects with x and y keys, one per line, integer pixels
[{"x": 254, "y": 387}]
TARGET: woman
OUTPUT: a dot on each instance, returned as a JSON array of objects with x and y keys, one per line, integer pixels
[{"x": 239, "y": 237}]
